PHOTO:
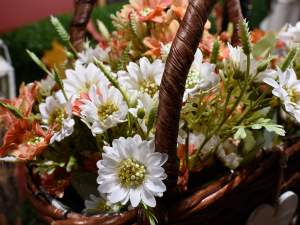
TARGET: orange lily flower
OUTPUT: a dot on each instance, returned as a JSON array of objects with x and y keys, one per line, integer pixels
[{"x": 25, "y": 140}]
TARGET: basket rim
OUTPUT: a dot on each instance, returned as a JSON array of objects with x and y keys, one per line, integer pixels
[{"x": 187, "y": 206}]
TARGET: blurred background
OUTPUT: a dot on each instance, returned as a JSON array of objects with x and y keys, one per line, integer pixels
[{"x": 25, "y": 25}]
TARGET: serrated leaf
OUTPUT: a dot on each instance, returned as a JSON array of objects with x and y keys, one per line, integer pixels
[
  {"x": 256, "y": 126},
  {"x": 240, "y": 133}
]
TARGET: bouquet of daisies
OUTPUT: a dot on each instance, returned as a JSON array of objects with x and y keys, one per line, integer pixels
[{"x": 93, "y": 122}]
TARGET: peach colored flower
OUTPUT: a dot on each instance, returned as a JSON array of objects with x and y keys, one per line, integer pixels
[
  {"x": 24, "y": 102},
  {"x": 25, "y": 140},
  {"x": 160, "y": 35},
  {"x": 151, "y": 10},
  {"x": 179, "y": 7}
]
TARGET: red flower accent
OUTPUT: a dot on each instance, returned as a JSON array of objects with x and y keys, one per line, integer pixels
[
  {"x": 25, "y": 101},
  {"x": 25, "y": 140}
]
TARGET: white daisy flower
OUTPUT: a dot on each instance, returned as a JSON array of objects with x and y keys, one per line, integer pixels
[
  {"x": 239, "y": 59},
  {"x": 99, "y": 204},
  {"x": 287, "y": 89},
  {"x": 88, "y": 54},
  {"x": 291, "y": 35},
  {"x": 57, "y": 113},
  {"x": 46, "y": 86},
  {"x": 269, "y": 73},
  {"x": 104, "y": 109},
  {"x": 201, "y": 76},
  {"x": 130, "y": 170},
  {"x": 82, "y": 79},
  {"x": 144, "y": 77}
]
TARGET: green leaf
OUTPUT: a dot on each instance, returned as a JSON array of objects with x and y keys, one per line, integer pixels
[
  {"x": 103, "y": 30},
  {"x": 152, "y": 118},
  {"x": 288, "y": 61},
  {"x": 265, "y": 45},
  {"x": 72, "y": 164},
  {"x": 39, "y": 63},
  {"x": 240, "y": 133},
  {"x": 249, "y": 142},
  {"x": 59, "y": 82},
  {"x": 16, "y": 112}
]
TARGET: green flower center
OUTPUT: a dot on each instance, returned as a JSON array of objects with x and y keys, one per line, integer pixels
[
  {"x": 102, "y": 206},
  {"x": 35, "y": 140},
  {"x": 146, "y": 11},
  {"x": 294, "y": 95},
  {"x": 149, "y": 87},
  {"x": 106, "y": 110},
  {"x": 56, "y": 118},
  {"x": 131, "y": 173},
  {"x": 192, "y": 79}
]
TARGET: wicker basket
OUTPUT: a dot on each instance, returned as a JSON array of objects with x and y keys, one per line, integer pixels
[{"x": 227, "y": 201}]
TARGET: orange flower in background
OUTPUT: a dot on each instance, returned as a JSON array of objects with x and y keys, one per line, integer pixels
[
  {"x": 151, "y": 10},
  {"x": 257, "y": 35},
  {"x": 179, "y": 7},
  {"x": 159, "y": 36},
  {"x": 27, "y": 97},
  {"x": 25, "y": 140}
]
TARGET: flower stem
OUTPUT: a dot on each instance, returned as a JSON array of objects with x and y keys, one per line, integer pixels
[
  {"x": 112, "y": 80},
  {"x": 226, "y": 116}
]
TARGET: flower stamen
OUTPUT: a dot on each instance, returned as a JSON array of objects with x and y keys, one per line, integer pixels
[
  {"x": 106, "y": 110},
  {"x": 149, "y": 87},
  {"x": 131, "y": 173}
]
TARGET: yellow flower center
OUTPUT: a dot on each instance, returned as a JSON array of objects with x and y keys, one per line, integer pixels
[
  {"x": 294, "y": 95},
  {"x": 106, "y": 110},
  {"x": 149, "y": 87},
  {"x": 131, "y": 173},
  {"x": 87, "y": 86},
  {"x": 56, "y": 118}
]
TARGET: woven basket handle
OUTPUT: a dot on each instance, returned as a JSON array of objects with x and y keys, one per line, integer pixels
[
  {"x": 172, "y": 85},
  {"x": 234, "y": 13},
  {"x": 82, "y": 14}
]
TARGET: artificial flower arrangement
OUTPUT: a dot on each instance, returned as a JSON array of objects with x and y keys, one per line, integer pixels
[{"x": 91, "y": 127}]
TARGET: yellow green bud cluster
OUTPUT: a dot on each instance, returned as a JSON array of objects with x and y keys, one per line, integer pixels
[
  {"x": 131, "y": 173},
  {"x": 149, "y": 87},
  {"x": 245, "y": 37},
  {"x": 106, "y": 110}
]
